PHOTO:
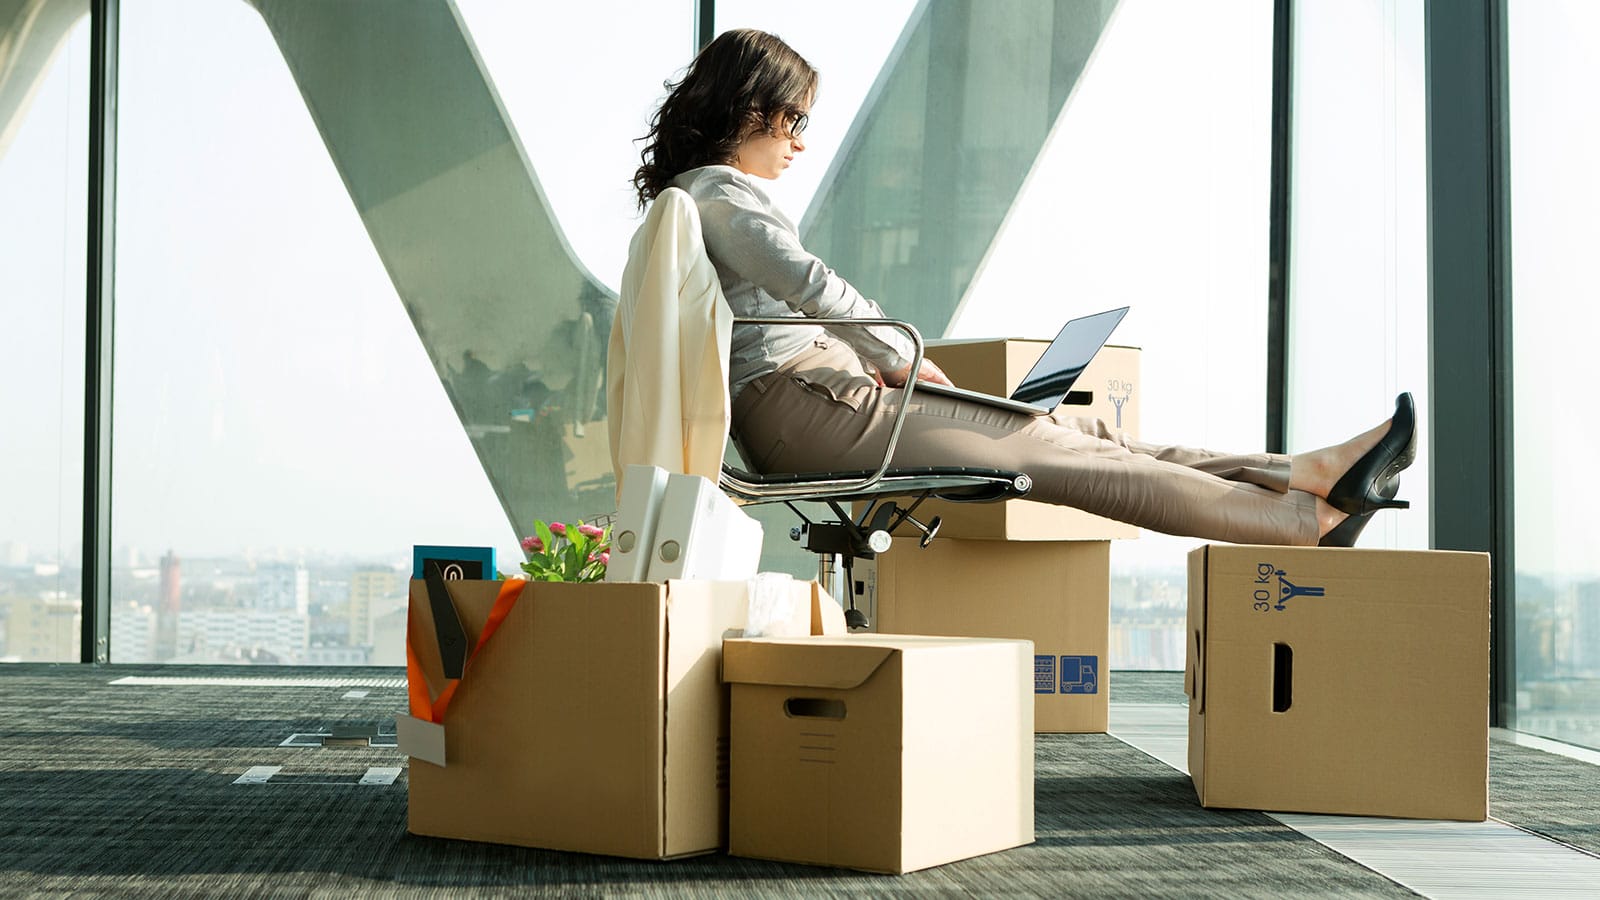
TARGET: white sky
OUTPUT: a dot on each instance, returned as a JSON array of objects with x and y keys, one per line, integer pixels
[{"x": 272, "y": 395}]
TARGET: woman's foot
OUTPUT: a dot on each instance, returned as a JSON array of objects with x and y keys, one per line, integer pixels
[
  {"x": 1372, "y": 482},
  {"x": 1361, "y": 475},
  {"x": 1316, "y": 471},
  {"x": 1336, "y": 528}
]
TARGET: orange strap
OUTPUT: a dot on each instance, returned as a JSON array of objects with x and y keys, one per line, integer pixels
[{"x": 424, "y": 706}]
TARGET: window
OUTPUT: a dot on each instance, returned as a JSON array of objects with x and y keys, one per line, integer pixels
[
  {"x": 1555, "y": 135},
  {"x": 1153, "y": 191},
  {"x": 44, "y": 116},
  {"x": 1358, "y": 282},
  {"x": 280, "y": 428},
  {"x": 1014, "y": 166}
]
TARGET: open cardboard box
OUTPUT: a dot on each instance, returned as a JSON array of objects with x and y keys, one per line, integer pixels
[
  {"x": 1106, "y": 390},
  {"x": 593, "y": 720}
]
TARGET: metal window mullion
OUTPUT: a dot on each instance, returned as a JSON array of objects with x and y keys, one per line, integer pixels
[
  {"x": 1278, "y": 239},
  {"x": 1503, "y": 689},
  {"x": 99, "y": 275},
  {"x": 705, "y": 23},
  {"x": 1469, "y": 309}
]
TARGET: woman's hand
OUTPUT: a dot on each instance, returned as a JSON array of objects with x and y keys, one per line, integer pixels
[{"x": 928, "y": 372}]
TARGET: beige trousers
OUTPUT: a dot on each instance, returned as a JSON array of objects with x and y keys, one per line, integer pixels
[{"x": 823, "y": 412}]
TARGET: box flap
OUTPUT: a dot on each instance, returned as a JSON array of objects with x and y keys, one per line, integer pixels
[
  {"x": 823, "y": 662},
  {"x": 694, "y": 778},
  {"x": 827, "y": 616}
]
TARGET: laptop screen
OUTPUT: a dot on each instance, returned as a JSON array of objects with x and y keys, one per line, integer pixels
[{"x": 1048, "y": 382}]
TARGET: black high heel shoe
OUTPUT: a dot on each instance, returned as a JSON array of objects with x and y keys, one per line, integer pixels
[
  {"x": 1345, "y": 533},
  {"x": 1370, "y": 484}
]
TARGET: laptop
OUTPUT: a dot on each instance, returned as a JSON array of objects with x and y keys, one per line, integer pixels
[{"x": 1052, "y": 377}]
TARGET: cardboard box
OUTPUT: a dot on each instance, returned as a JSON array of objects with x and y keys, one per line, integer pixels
[
  {"x": 1106, "y": 391},
  {"x": 594, "y": 719},
  {"x": 1339, "y": 681},
  {"x": 888, "y": 754},
  {"x": 1055, "y": 594}
]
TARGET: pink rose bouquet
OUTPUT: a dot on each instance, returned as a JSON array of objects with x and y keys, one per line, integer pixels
[{"x": 558, "y": 552}]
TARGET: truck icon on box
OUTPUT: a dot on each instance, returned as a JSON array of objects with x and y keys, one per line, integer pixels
[{"x": 1080, "y": 674}]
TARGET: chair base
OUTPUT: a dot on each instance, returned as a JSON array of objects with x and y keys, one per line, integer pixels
[{"x": 864, "y": 538}]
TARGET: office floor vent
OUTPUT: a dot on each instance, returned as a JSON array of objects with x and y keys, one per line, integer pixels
[
  {"x": 374, "y": 775},
  {"x": 341, "y": 736}
]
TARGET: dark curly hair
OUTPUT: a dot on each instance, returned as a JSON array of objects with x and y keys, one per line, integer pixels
[{"x": 744, "y": 82}]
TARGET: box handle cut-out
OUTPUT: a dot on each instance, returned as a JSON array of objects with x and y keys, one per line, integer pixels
[
  {"x": 813, "y": 708},
  {"x": 1282, "y": 677}
]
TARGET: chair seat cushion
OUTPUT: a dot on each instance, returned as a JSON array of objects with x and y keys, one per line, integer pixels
[{"x": 967, "y": 484}]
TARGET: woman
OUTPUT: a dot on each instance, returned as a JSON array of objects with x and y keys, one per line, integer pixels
[{"x": 810, "y": 399}]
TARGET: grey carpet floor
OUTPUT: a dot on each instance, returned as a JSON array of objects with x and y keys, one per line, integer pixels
[
  {"x": 128, "y": 791},
  {"x": 1548, "y": 794}
]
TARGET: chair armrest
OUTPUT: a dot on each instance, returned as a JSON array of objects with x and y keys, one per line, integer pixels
[{"x": 899, "y": 417}]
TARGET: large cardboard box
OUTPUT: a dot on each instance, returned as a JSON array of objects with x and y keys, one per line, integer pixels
[
  {"x": 1339, "y": 681},
  {"x": 594, "y": 719},
  {"x": 1056, "y": 594},
  {"x": 888, "y": 754},
  {"x": 1106, "y": 391}
]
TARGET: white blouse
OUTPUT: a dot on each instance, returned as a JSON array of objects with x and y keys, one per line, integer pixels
[{"x": 766, "y": 272}]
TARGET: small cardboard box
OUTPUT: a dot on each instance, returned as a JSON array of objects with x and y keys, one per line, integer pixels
[
  {"x": 887, "y": 754},
  {"x": 1055, "y": 594},
  {"x": 1105, "y": 391},
  {"x": 594, "y": 719},
  {"x": 1339, "y": 681}
]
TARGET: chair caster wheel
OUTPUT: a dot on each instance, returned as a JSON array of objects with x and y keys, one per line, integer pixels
[{"x": 855, "y": 618}]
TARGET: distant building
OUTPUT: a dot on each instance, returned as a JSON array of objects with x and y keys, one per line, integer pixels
[
  {"x": 335, "y": 656},
  {"x": 389, "y": 639},
  {"x": 42, "y": 630},
  {"x": 133, "y": 632},
  {"x": 283, "y": 587},
  {"x": 169, "y": 601},
  {"x": 374, "y": 590},
  {"x": 254, "y": 635},
  {"x": 1586, "y": 629}
]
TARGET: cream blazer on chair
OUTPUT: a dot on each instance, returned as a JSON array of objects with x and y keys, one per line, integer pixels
[{"x": 667, "y": 367}]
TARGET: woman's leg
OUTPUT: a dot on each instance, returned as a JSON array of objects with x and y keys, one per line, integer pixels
[
  {"x": 822, "y": 414},
  {"x": 1268, "y": 470}
]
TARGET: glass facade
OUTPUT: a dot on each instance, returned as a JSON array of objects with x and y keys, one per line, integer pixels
[
  {"x": 363, "y": 284},
  {"x": 282, "y": 435},
  {"x": 1554, "y": 138},
  {"x": 1152, "y": 190},
  {"x": 44, "y": 116},
  {"x": 1014, "y": 165},
  {"x": 365, "y": 268}
]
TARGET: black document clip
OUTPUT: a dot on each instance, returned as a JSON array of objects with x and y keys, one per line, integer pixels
[{"x": 446, "y": 624}]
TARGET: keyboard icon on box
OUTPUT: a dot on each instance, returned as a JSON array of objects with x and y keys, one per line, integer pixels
[{"x": 1079, "y": 674}]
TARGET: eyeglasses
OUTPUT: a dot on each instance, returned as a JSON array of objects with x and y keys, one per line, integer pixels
[{"x": 798, "y": 124}]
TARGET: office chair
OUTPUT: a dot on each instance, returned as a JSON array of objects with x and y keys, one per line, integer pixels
[{"x": 890, "y": 496}]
